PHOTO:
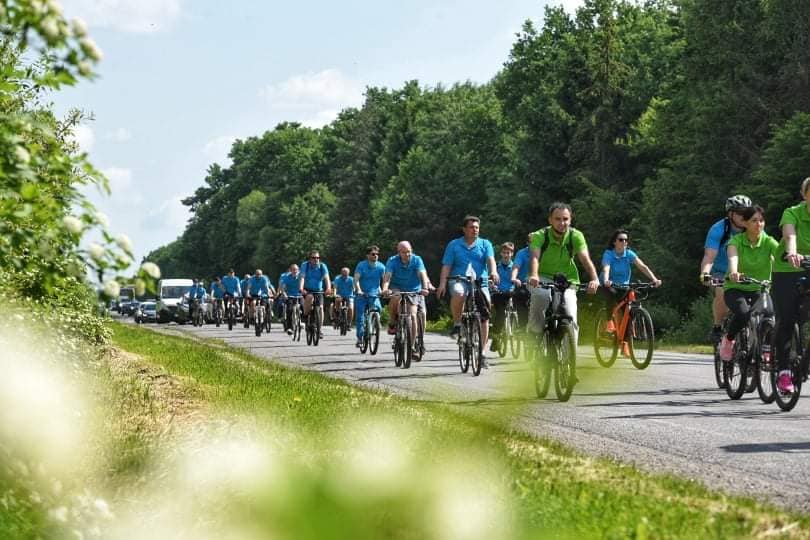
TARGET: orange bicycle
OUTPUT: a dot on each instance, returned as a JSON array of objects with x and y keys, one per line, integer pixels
[{"x": 628, "y": 326}]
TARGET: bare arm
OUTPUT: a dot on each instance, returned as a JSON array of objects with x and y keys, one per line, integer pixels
[
  {"x": 534, "y": 280},
  {"x": 647, "y": 272},
  {"x": 585, "y": 259},
  {"x": 443, "y": 280},
  {"x": 493, "y": 270},
  {"x": 385, "y": 281},
  {"x": 789, "y": 234},
  {"x": 733, "y": 261},
  {"x": 709, "y": 255}
]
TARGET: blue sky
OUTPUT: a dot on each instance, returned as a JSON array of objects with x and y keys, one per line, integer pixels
[{"x": 181, "y": 79}]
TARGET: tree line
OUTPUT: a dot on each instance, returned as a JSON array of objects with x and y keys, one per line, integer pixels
[{"x": 640, "y": 115}]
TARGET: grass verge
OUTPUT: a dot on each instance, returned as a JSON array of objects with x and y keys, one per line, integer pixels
[{"x": 549, "y": 490}]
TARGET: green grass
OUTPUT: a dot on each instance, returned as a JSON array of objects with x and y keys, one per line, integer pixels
[{"x": 551, "y": 491}]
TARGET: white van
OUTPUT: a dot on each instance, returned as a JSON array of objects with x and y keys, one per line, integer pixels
[{"x": 170, "y": 292}]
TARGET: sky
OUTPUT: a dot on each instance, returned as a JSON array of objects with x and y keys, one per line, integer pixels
[{"x": 182, "y": 79}]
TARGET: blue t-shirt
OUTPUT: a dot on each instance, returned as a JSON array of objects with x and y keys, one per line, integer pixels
[
  {"x": 405, "y": 277},
  {"x": 259, "y": 286},
  {"x": 621, "y": 266},
  {"x": 370, "y": 276},
  {"x": 344, "y": 286},
  {"x": 522, "y": 260},
  {"x": 244, "y": 285},
  {"x": 232, "y": 285},
  {"x": 217, "y": 290},
  {"x": 713, "y": 238},
  {"x": 290, "y": 284},
  {"x": 459, "y": 257},
  {"x": 196, "y": 291},
  {"x": 313, "y": 276},
  {"x": 505, "y": 273}
]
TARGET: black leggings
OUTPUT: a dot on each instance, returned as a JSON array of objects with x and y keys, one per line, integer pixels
[
  {"x": 786, "y": 305},
  {"x": 739, "y": 303}
]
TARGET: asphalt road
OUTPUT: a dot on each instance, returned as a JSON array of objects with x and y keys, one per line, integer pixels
[{"x": 668, "y": 418}]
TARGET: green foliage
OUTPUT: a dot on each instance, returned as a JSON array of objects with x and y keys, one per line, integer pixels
[{"x": 695, "y": 326}]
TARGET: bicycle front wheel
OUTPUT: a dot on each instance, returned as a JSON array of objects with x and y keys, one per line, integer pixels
[
  {"x": 476, "y": 347},
  {"x": 514, "y": 338},
  {"x": 296, "y": 325},
  {"x": 259, "y": 323},
  {"x": 735, "y": 372},
  {"x": 605, "y": 344},
  {"x": 316, "y": 332},
  {"x": 374, "y": 337},
  {"x": 787, "y": 400},
  {"x": 406, "y": 341},
  {"x": 566, "y": 376},
  {"x": 764, "y": 363},
  {"x": 541, "y": 366},
  {"x": 641, "y": 338}
]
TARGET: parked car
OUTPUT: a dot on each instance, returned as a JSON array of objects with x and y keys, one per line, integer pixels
[
  {"x": 170, "y": 292},
  {"x": 146, "y": 312}
]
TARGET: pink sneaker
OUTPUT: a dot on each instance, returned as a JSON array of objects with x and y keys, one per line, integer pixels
[
  {"x": 726, "y": 349},
  {"x": 784, "y": 383}
]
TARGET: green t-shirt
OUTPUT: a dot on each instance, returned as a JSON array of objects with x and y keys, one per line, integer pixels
[
  {"x": 556, "y": 258},
  {"x": 799, "y": 217},
  {"x": 753, "y": 260}
]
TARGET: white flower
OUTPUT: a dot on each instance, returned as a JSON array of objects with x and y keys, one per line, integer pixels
[
  {"x": 79, "y": 27},
  {"x": 124, "y": 242},
  {"x": 101, "y": 219},
  {"x": 22, "y": 154},
  {"x": 59, "y": 514},
  {"x": 112, "y": 289},
  {"x": 50, "y": 28},
  {"x": 96, "y": 251},
  {"x": 140, "y": 287},
  {"x": 72, "y": 224},
  {"x": 55, "y": 7},
  {"x": 85, "y": 68},
  {"x": 91, "y": 49},
  {"x": 2, "y": 12},
  {"x": 103, "y": 508},
  {"x": 151, "y": 269},
  {"x": 38, "y": 7}
]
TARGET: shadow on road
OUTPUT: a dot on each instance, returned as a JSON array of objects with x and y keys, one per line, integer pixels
[{"x": 784, "y": 447}]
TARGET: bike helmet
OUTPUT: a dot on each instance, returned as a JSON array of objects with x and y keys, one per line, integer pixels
[{"x": 737, "y": 201}]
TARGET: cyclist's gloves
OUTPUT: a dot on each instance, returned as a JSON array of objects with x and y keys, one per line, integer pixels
[{"x": 705, "y": 278}]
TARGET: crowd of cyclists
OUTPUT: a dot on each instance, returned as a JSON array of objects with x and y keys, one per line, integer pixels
[{"x": 738, "y": 258}]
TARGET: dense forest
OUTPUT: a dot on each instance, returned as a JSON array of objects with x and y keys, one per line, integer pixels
[{"x": 641, "y": 115}]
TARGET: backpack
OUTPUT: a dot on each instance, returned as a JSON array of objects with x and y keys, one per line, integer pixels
[
  {"x": 726, "y": 232},
  {"x": 569, "y": 245}
]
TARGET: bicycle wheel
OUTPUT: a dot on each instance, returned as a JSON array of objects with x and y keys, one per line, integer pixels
[
  {"x": 605, "y": 344},
  {"x": 316, "y": 332},
  {"x": 406, "y": 341},
  {"x": 246, "y": 316},
  {"x": 515, "y": 340},
  {"x": 308, "y": 327},
  {"x": 296, "y": 324},
  {"x": 641, "y": 338},
  {"x": 566, "y": 376},
  {"x": 268, "y": 319},
  {"x": 258, "y": 324},
  {"x": 541, "y": 366},
  {"x": 399, "y": 349},
  {"x": 764, "y": 362},
  {"x": 419, "y": 340},
  {"x": 366, "y": 333},
  {"x": 217, "y": 317},
  {"x": 374, "y": 337},
  {"x": 786, "y": 401},
  {"x": 231, "y": 318},
  {"x": 463, "y": 354},
  {"x": 735, "y": 371},
  {"x": 476, "y": 347}
]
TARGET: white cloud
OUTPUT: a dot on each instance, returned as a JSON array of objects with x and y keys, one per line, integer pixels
[
  {"x": 136, "y": 16},
  {"x": 321, "y": 118},
  {"x": 120, "y": 178},
  {"x": 323, "y": 90},
  {"x": 119, "y": 135},
  {"x": 83, "y": 136},
  {"x": 217, "y": 149},
  {"x": 171, "y": 215}
]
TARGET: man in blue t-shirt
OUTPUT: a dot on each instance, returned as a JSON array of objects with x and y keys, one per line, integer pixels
[
  {"x": 501, "y": 295},
  {"x": 368, "y": 276},
  {"x": 314, "y": 278},
  {"x": 405, "y": 272},
  {"x": 289, "y": 289},
  {"x": 520, "y": 277},
  {"x": 244, "y": 287},
  {"x": 468, "y": 255},
  {"x": 715, "y": 260},
  {"x": 344, "y": 292}
]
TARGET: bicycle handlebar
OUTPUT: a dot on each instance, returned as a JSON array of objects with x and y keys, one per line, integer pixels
[{"x": 635, "y": 285}]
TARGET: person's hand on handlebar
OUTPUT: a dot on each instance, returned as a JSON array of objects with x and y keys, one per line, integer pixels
[
  {"x": 534, "y": 281},
  {"x": 794, "y": 259},
  {"x": 705, "y": 279},
  {"x": 593, "y": 285},
  {"x": 735, "y": 276},
  {"x": 441, "y": 289}
]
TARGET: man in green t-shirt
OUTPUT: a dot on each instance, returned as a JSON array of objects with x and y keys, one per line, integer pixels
[{"x": 553, "y": 249}]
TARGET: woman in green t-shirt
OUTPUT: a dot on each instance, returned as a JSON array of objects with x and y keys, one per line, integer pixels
[
  {"x": 750, "y": 254},
  {"x": 795, "y": 244}
]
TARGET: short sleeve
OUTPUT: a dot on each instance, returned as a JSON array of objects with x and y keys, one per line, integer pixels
[
  {"x": 714, "y": 236},
  {"x": 447, "y": 259},
  {"x": 490, "y": 251},
  {"x": 788, "y": 217},
  {"x": 579, "y": 242},
  {"x": 607, "y": 260},
  {"x": 631, "y": 255},
  {"x": 536, "y": 241},
  {"x": 420, "y": 266}
]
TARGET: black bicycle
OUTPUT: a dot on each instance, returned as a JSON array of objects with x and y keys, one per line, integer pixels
[
  {"x": 408, "y": 344},
  {"x": 230, "y": 311},
  {"x": 196, "y": 311},
  {"x": 371, "y": 326},
  {"x": 555, "y": 348},
  {"x": 217, "y": 312},
  {"x": 718, "y": 362},
  {"x": 509, "y": 337},
  {"x": 751, "y": 364},
  {"x": 343, "y": 317},
  {"x": 294, "y": 307},
  {"x": 799, "y": 352},
  {"x": 261, "y": 316},
  {"x": 314, "y": 320},
  {"x": 470, "y": 344}
]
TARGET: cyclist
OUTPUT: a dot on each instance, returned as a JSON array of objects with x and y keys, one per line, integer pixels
[
  {"x": 617, "y": 266},
  {"x": 217, "y": 292},
  {"x": 715, "y": 259},
  {"x": 259, "y": 287},
  {"x": 288, "y": 287},
  {"x": 279, "y": 300},
  {"x": 520, "y": 277},
  {"x": 233, "y": 288},
  {"x": 344, "y": 292},
  {"x": 404, "y": 272},
  {"x": 750, "y": 254},
  {"x": 553, "y": 250},
  {"x": 469, "y": 255},
  {"x": 196, "y": 292},
  {"x": 311, "y": 279},
  {"x": 795, "y": 225},
  {"x": 501, "y": 296},
  {"x": 368, "y": 275},
  {"x": 243, "y": 285}
]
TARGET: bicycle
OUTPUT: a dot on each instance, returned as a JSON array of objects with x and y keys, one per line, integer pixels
[
  {"x": 230, "y": 311},
  {"x": 196, "y": 313},
  {"x": 295, "y": 317},
  {"x": 342, "y": 322},
  {"x": 555, "y": 350},
  {"x": 633, "y": 327},
  {"x": 314, "y": 320},
  {"x": 371, "y": 327},
  {"x": 408, "y": 344},
  {"x": 470, "y": 346},
  {"x": 751, "y": 357},
  {"x": 247, "y": 312},
  {"x": 260, "y": 317},
  {"x": 509, "y": 338},
  {"x": 217, "y": 312},
  {"x": 799, "y": 355},
  {"x": 718, "y": 362}
]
